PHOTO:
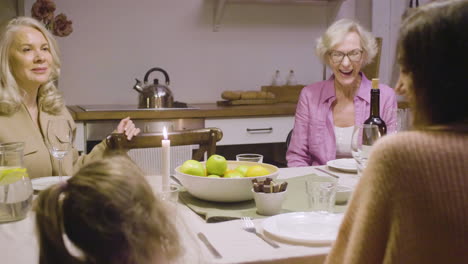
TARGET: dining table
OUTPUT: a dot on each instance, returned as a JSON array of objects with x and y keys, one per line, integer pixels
[{"x": 19, "y": 244}]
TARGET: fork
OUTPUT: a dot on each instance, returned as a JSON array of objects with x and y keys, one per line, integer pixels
[{"x": 249, "y": 226}]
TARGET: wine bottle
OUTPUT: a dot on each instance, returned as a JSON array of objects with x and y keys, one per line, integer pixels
[{"x": 374, "y": 118}]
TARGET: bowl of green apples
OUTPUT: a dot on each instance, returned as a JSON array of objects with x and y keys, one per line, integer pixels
[{"x": 221, "y": 180}]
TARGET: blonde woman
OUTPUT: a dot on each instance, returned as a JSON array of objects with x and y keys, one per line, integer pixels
[
  {"x": 327, "y": 111},
  {"x": 108, "y": 212},
  {"x": 29, "y": 66}
]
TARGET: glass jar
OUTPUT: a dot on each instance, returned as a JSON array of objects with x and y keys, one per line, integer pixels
[{"x": 15, "y": 186}]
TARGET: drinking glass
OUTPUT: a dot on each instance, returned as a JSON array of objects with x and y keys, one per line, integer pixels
[
  {"x": 363, "y": 138},
  {"x": 250, "y": 157},
  {"x": 169, "y": 198},
  {"x": 402, "y": 121},
  {"x": 321, "y": 195},
  {"x": 59, "y": 140}
]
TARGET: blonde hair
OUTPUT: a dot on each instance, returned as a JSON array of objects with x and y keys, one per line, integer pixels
[
  {"x": 108, "y": 210},
  {"x": 10, "y": 94},
  {"x": 337, "y": 32}
]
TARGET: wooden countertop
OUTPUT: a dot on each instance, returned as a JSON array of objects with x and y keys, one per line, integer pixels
[{"x": 203, "y": 111}]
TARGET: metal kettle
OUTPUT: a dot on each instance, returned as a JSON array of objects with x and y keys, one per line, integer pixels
[{"x": 154, "y": 95}]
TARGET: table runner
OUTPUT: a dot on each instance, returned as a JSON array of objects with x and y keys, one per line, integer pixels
[{"x": 212, "y": 212}]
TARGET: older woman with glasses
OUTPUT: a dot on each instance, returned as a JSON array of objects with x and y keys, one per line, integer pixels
[{"x": 328, "y": 110}]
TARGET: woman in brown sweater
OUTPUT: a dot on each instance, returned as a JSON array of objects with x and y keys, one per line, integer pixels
[{"x": 411, "y": 205}]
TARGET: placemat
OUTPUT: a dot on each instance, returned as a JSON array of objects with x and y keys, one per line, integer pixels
[{"x": 212, "y": 212}]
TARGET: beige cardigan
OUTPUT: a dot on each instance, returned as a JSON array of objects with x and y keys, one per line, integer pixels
[
  {"x": 411, "y": 205},
  {"x": 19, "y": 127}
]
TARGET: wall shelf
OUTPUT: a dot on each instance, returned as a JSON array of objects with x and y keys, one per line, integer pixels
[{"x": 220, "y": 6}]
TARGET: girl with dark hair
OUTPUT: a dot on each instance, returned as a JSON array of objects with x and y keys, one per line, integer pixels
[{"x": 410, "y": 205}]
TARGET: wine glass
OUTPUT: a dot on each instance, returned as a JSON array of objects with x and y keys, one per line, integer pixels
[
  {"x": 363, "y": 138},
  {"x": 59, "y": 140},
  {"x": 401, "y": 121}
]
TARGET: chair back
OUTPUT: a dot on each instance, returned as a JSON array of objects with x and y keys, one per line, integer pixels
[
  {"x": 372, "y": 69},
  {"x": 288, "y": 139},
  {"x": 206, "y": 138}
]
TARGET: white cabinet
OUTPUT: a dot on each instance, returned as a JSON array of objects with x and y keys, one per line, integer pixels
[
  {"x": 220, "y": 6},
  {"x": 252, "y": 130}
]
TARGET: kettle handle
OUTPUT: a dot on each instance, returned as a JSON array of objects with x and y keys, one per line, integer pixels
[{"x": 145, "y": 80}]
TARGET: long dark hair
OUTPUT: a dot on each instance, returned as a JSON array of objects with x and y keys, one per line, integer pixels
[
  {"x": 109, "y": 212},
  {"x": 432, "y": 48}
]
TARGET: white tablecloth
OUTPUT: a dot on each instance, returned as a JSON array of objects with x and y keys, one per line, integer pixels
[{"x": 18, "y": 243}]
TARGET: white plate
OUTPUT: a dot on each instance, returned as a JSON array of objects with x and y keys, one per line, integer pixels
[
  {"x": 348, "y": 165},
  {"x": 43, "y": 183},
  {"x": 304, "y": 227}
]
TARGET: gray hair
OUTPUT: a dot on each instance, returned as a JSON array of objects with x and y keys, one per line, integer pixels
[
  {"x": 336, "y": 33},
  {"x": 10, "y": 94}
]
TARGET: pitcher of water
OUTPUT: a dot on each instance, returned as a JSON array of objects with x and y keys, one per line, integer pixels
[{"x": 15, "y": 186}]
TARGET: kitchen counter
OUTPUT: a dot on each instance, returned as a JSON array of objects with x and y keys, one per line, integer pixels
[
  {"x": 246, "y": 125},
  {"x": 201, "y": 111}
]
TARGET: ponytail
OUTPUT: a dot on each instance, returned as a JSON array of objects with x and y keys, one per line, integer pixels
[{"x": 49, "y": 226}]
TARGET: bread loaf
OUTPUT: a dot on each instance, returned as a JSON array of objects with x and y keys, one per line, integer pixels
[
  {"x": 266, "y": 95},
  {"x": 231, "y": 95},
  {"x": 249, "y": 95}
]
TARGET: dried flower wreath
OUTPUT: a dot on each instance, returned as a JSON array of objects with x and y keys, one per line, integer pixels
[{"x": 43, "y": 10}]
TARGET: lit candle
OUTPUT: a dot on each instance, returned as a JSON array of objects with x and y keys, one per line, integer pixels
[{"x": 166, "y": 160}]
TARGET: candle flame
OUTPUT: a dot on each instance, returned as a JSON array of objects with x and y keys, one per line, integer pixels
[{"x": 165, "y": 132}]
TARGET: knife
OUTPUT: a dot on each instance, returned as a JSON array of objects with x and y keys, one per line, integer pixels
[
  {"x": 329, "y": 173},
  {"x": 207, "y": 243}
]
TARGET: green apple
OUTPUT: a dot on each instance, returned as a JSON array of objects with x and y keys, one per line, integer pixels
[
  {"x": 193, "y": 167},
  {"x": 233, "y": 174},
  {"x": 242, "y": 169},
  {"x": 213, "y": 176},
  {"x": 216, "y": 165}
]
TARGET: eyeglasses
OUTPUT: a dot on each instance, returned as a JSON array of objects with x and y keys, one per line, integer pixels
[{"x": 338, "y": 56}]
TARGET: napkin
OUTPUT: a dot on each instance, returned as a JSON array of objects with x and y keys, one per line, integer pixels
[{"x": 212, "y": 212}]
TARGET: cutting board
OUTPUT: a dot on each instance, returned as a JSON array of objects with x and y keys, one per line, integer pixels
[
  {"x": 246, "y": 102},
  {"x": 285, "y": 93}
]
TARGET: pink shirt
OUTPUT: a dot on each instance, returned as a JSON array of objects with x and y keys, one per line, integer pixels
[{"x": 313, "y": 138}]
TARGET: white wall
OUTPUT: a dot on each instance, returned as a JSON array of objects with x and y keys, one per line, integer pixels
[
  {"x": 115, "y": 41},
  {"x": 386, "y": 21}
]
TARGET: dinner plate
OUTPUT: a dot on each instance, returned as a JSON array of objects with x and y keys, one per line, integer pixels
[
  {"x": 348, "y": 165},
  {"x": 43, "y": 183},
  {"x": 304, "y": 227}
]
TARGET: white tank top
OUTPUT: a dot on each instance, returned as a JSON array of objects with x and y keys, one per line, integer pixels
[{"x": 343, "y": 141}]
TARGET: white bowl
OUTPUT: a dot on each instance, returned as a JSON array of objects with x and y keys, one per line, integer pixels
[
  {"x": 269, "y": 203},
  {"x": 342, "y": 194},
  {"x": 223, "y": 189}
]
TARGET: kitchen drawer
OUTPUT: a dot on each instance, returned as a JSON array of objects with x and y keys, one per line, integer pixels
[{"x": 254, "y": 130}]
